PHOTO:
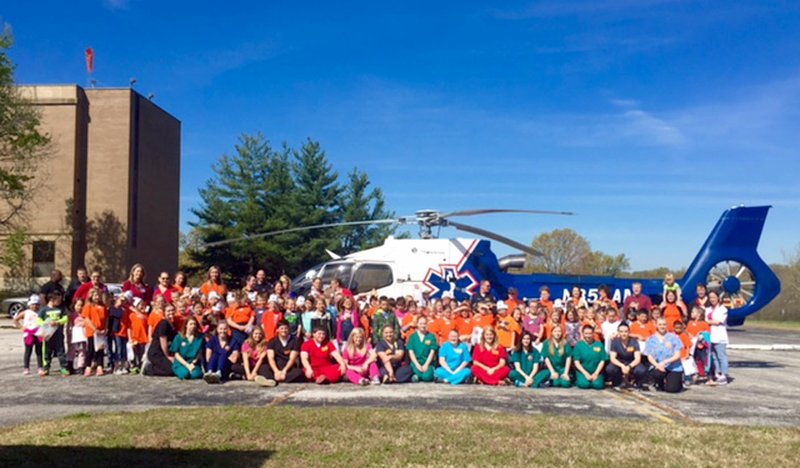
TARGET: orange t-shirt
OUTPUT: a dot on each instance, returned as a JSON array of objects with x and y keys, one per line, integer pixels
[
  {"x": 138, "y": 330},
  {"x": 269, "y": 322},
  {"x": 365, "y": 325},
  {"x": 483, "y": 321},
  {"x": 687, "y": 345},
  {"x": 672, "y": 314},
  {"x": 549, "y": 304},
  {"x": 696, "y": 327},
  {"x": 508, "y": 331},
  {"x": 125, "y": 322},
  {"x": 642, "y": 332},
  {"x": 441, "y": 327},
  {"x": 153, "y": 320},
  {"x": 465, "y": 326},
  {"x": 547, "y": 329},
  {"x": 239, "y": 315},
  {"x": 512, "y": 304},
  {"x": 178, "y": 320},
  {"x": 208, "y": 286},
  {"x": 408, "y": 319},
  {"x": 96, "y": 314}
]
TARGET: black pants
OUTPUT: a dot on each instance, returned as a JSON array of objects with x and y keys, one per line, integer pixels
[
  {"x": 158, "y": 366},
  {"x": 55, "y": 348},
  {"x": 94, "y": 357},
  {"x": 138, "y": 355},
  {"x": 614, "y": 374},
  {"x": 401, "y": 373},
  {"x": 670, "y": 381},
  {"x": 29, "y": 349},
  {"x": 294, "y": 375}
]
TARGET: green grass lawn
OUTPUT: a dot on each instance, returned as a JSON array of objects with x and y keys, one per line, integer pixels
[{"x": 244, "y": 437}]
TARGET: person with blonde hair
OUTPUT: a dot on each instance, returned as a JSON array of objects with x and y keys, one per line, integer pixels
[
  {"x": 489, "y": 360},
  {"x": 137, "y": 285},
  {"x": 557, "y": 357},
  {"x": 214, "y": 283},
  {"x": 360, "y": 359}
]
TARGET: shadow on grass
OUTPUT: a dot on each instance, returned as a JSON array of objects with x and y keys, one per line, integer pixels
[{"x": 41, "y": 456}]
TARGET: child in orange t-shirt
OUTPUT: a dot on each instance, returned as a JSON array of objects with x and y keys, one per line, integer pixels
[
  {"x": 442, "y": 326},
  {"x": 689, "y": 368},
  {"x": 269, "y": 320},
  {"x": 643, "y": 328},
  {"x": 464, "y": 323},
  {"x": 95, "y": 318},
  {"x": 698, "y": 329},
  {"x": 240, "y": 318},
  {"x": 508, "y": 329}
]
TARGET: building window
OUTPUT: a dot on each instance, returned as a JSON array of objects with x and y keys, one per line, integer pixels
[{"x": 44, "y": 258}]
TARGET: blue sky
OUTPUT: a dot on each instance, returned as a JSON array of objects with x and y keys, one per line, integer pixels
[{"x": 646, "y": 117}]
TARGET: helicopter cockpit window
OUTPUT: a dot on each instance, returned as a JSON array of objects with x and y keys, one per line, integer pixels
[
  {"x": 343, "y": 271},
  {"x": 302, "y": 283},
  {"x": 371, "y": 276}
]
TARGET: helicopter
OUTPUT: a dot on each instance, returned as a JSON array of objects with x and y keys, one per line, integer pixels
[{"x": 430, "y": 266}]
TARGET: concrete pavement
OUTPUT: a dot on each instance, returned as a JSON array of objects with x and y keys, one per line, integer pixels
[{"x": 764, "y": 393}]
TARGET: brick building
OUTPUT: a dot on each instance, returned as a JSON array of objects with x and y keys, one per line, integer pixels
[{"x": 110, "y": 194}]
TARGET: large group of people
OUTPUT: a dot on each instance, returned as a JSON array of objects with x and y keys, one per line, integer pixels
[{"x": 264, "y": 333}]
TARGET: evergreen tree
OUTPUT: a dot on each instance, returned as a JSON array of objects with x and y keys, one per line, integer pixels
[
  {"x": 258, "y": 190},
  {"x": 315, "y": 202},
  {"x": 359, "y": 203}
]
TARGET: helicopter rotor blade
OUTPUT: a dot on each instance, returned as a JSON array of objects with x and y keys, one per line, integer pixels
[
  {"x": 304, "y": 228},
  {"x": 497, "y": 210},
  {"x": 496, "y": 237}
]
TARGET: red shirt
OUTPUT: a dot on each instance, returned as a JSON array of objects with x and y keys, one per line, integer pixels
[
  {"x": 487, "y": 357},
  {"x": 318, "y": 356},
  {"x": 167, "y": 293},
  {"x": 140, "y": 290},
  {"x": 83, "y": 290}
]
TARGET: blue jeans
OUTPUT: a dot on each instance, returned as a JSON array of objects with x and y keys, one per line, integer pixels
[
  {"x": 719, "y": 354},
  {"x": 121, "y": 346}
]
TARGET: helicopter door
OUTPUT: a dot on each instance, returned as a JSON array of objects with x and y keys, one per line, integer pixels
[{"x": 371, "y": 276}]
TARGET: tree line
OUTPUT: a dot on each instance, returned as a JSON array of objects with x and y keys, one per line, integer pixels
[{"x": 260, "y": 189}]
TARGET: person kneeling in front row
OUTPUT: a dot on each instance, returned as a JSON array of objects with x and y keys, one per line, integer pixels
[
  {"x": 590, "y": 358},
  {"x": 391, "y": 354},
  {"x": 489, "y": 360},
  {"x": 422, "y": 347},
  {"x": 525, "y": 360},
  {"x": 664, "y": 353},
  {"x": 625, "y": 360},
  {"x": 322, "y": 363},
  {"x": 454, "y": 361}
]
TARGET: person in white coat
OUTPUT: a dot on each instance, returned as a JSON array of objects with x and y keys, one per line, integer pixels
[{"x": 717, "y": 318}]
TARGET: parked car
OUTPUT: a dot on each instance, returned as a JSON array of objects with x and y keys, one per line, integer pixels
[{"x": 13, "y": 305}]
